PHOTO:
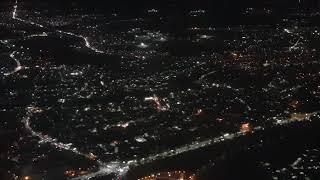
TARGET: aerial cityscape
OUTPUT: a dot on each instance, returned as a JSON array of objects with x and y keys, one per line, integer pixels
[{"x": 159, "y": 90}]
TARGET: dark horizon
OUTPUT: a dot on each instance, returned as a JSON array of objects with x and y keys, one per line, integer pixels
[{"x": 190, "y": 4}]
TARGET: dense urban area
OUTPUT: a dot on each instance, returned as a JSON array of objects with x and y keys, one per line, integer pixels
[{"x": 88, "y": 95}]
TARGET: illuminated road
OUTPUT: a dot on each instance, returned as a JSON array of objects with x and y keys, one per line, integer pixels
[
  {"x": 295, "y": 46},
  {"x": 85, "y": 39},
  {"x": 18, "y": 66},
  {"x": 15, "y": 16},
  {"x": 115, "y": 167},
  {"x": 43, "y": 139},
  {"x": 120, "y": 168}
]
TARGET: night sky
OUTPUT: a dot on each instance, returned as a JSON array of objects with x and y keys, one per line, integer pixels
[
  {"x": 223, "y": 9},
  {"x": 211, "y": 4}
]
